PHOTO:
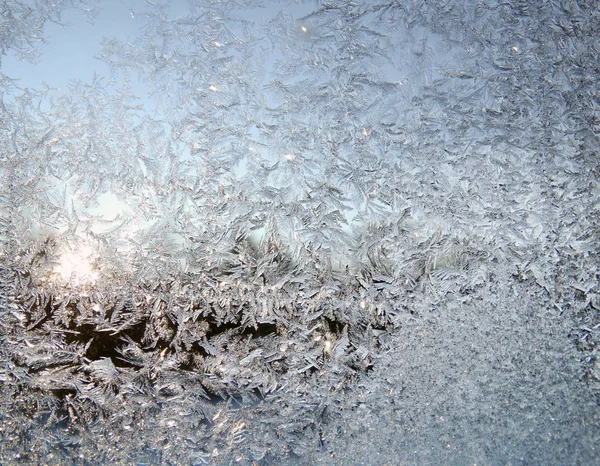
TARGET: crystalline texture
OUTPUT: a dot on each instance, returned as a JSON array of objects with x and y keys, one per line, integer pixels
[{"x": 346, "y": 226}]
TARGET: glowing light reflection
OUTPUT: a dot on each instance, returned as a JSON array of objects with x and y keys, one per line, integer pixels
[{"x": 77, "y": 267}]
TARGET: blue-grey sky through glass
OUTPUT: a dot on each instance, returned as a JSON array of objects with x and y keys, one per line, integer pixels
[
  {"x": 70, "y": 53},
  {"x": 70, "y": 50}
]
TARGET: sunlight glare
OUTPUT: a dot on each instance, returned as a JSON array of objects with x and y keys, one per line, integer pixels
[{"x": 77, "y": 266}]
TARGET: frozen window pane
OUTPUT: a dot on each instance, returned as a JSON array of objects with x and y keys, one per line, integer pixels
[{"x": 270, "y": 232}]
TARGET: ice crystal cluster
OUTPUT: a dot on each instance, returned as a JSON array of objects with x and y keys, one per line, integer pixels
[{"x": 334, "y": 238}]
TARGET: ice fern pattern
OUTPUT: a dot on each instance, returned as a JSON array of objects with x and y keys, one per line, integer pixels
[{"x": 308, "y": 184}]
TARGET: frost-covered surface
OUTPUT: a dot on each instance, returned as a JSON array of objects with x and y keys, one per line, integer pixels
[{"x": 366, "y": 235}]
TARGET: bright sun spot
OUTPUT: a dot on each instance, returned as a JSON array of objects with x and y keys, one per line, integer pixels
[{"x": 76, "y": 266}]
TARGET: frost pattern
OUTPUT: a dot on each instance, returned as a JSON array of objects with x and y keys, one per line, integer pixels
[{"x": 309, "y": 185}]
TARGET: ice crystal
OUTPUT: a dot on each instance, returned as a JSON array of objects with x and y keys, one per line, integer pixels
[{"x": 237, "y": 275}]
